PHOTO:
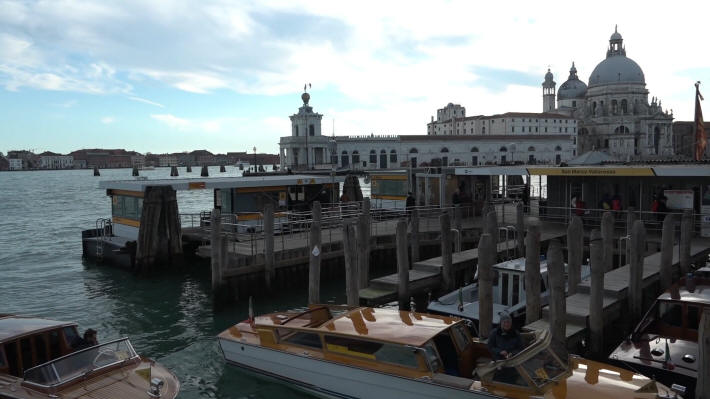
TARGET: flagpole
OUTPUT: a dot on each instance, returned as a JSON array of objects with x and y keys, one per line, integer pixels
[{"x": 700, "y": 136}]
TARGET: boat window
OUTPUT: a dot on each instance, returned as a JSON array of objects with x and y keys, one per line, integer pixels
[
  {"x": 388, "y": 353},
  {"x": 70, "y": 335},
  {"x": 55, "y": 348},
  {"x": 432, "y": 356},
  {"x": 462, "y": 340},
  {"x": 310, "y": 340},
  {"x": 504, "y": 290},
  {"x": 13, "y": 362},
  {"x": 671, "y": 313},
  {"x": 448, "y": 354},
  {"x": 543, "y": 285},
  {"x": 127, "y": 207},
  {"x": 516, "y": 290},
  {"x": 693, "y": 319},
  {"x": 543, "y": 367},
  {"x": 26, "y": 350},
  {"x": 509, "y": 375},
  {"x": 41, "y": 348}
]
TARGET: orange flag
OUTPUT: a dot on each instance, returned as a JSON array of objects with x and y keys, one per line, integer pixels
[{"x": 700, "y": 137}]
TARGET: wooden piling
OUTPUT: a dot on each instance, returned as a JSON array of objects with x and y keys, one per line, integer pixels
[
  {"x": 667, "y": 243},
  {"x": 96, "y": 171},
  {"x": 520, "y": 229},
  {"x": 630, "y": 219},
  {"x": 596, "y": 294},
  {"x": 314, "y": 258},
  {"x": 351, "y": 274},
  {"x": 637, "y": 253},
  {"x": 558, "y": 304},
  {"x": 215, "y": 249},
  {"x": 205, "y": 172},
  {"x": 532, "y": 272},
  {"x": 188, "y": 169},
  {"x": 268, "y": 245},
  {"x": 702, "y": 389},
  {"x": 135, "y": 171},
  {"x": 160, "y": 235},
  {"x": 414, "y": 222},
  {"x": 447, "y": 276},
  {"x": 174, "y": 171},
  {"x": 402, "y": 265},
  {"x": 608, "y": 240},
  {"x": 486, "y": 258},
  {"x": 686, "y": 235},
  {"x": 575, "y": 253},
  {"x": 363, "y": 254}
]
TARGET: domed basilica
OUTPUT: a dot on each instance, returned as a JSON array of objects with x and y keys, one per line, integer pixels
[{"x": 613, "y": 109}]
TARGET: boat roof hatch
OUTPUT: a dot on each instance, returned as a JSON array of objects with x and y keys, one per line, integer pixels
[
  {"x": 221, "y": 182},
  {"x": 12, "y": 327},
  {"x": 701, "y": 294}
]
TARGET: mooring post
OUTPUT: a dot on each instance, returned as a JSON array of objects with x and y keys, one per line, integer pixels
[
  {"x": 686, "y": 235},
  {"x": 215, "y": 249},
  {"x": 96, "y": 171},
  {"x": 315, "y": 258},
  {"x": 637, "y": 254},
  {"x": 486, "y": 258},
  {"x": 351, "y": 274},
  {"x": 174, "y": 171},
  {"x": 188, "y": 169},
  {"x": 415, "y": 234},
  {"x": 520, "y": 229},
  {"x": 204, "y": 172},
  {"x": 491, "y": 226},
  {"x": 702, "y": 390},
  {"x": 596, "y": 293},
  {"x": 575, "y": 253},
  {"x": 268, "y": 245},
  {"x": 532, "y": 271},
  {"x": 222, "y": 169},
  {"x": 363, "y": 256},
  {"x": 447, "y": 276},
  {"x": 558, "y": 304},
  {"x": 135, "y": 171},
  {"x": 630, "y": 219},
  {"x": 608, "y": 240},
  {"x": 402, "y": 265},
  {"x": 667, "y": 241}
]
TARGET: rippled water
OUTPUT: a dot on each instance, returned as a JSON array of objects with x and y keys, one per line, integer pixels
[{"x": 169, "y": 317}]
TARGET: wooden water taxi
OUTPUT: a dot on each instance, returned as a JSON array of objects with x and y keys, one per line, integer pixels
[
  {"x": 357, "y": 352},
  {"x": 665, "y": 343},
  {"x": 40, "y": 358},
  {"x": 508, "y": 293}
]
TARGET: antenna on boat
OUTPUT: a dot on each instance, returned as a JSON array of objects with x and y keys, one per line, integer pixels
[{"x": 251, "y": 312}]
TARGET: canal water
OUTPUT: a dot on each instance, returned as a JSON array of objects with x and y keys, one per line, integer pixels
[{"x": 169, "y": 317}]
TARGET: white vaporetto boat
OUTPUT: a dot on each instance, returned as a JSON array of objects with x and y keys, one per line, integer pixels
[{"x": 348, "y": 352}]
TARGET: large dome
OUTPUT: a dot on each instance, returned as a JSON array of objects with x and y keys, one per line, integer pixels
[{"x": 616, "y": 69}]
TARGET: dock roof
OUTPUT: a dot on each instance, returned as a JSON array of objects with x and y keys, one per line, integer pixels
[
  {"x": 16, "y": 326},
  {"x": 220, "y": 182},
  {"x": 599, "y": 170}
]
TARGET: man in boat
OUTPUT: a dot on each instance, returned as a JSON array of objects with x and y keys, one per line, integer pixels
[
  {"x": 504, "y": 341},
  {"x": 88, "y": 341}
]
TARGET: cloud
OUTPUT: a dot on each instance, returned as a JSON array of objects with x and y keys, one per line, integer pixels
[
  {"x": 185, "y": 125},
  {"x": 107, "y": 120},
  {"x": 66, "y": 104},
  {"x": 145, "y": 101}
]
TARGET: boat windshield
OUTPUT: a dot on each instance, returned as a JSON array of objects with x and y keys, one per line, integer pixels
[
  {"x": 80, "y": 363},
  {"x": 543, "y": 367}
]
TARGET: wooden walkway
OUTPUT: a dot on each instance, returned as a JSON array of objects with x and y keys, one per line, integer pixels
[
  {"x": 616, "y": 283},
  {"x": 426, "y": 275}
]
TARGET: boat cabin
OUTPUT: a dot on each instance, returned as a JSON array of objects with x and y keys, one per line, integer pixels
[{"x": 242, "y": 197}]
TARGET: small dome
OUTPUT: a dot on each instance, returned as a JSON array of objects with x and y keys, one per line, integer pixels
[
  {"x": 548, "y": 75},
  {"x": 616, "y": 69},
  {"x": 615, "y": 36},
  {"x": 572, "y": 89},
  {"x": 305, "y": 97}
]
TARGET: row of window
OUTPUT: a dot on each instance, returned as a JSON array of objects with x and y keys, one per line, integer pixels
[{"x": 393, "y": 153}]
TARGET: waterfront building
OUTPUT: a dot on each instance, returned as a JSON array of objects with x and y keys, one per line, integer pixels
[
  {"x": 51, "y": 160},
  {"x": 138, "y": 161},
  {"x": 167, "y": 160},
  {"x": 14, "y": 163}
]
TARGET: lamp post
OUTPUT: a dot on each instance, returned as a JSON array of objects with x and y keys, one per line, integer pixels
[{"x": 254, "y": 159}]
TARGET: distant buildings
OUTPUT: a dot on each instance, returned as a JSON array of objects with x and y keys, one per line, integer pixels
[
  {"x": 50, "y": 160},
  {"x": 15, "y": 164}
]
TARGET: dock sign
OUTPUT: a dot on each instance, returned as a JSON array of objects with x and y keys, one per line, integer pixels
[{"x": 316, "y": 251}]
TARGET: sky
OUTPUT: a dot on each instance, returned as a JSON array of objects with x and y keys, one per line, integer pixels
[{"x": 171, "y": 75}]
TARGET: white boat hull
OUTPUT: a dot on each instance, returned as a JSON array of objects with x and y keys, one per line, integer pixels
[{"x": 334, "y": 380}]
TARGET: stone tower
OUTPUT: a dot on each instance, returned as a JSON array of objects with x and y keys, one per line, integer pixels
[{"x": 548, "y": 92}]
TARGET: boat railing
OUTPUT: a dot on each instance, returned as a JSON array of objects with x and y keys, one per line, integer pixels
[{"x": 80, "y": 364}]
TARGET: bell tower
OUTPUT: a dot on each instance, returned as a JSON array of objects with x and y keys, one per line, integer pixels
[{"x": 548, "y": 92}]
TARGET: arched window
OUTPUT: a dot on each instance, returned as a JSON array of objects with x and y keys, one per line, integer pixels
[
  {"x": 474, "y": 149},
  {"x": 531, "y": 148},
  {"x": 344, "y": 160},
  {"x": 393, "y": 156},
  {"x": 383, "y": 159},
  {"x": 413, "y": 151},
  {"x": 483, "y": 130},
  {"x": 503, "y": 149},
  {"x": 295, "y": 130},
  {"x": 356, "y": 157},
  {"x": 558, "y": 148},
  {"x": 311, "y": 130},
  {"x": 614, "y": 107},
  {"x": 444, "y": 149},
  {"x": 373, "y": 156},
  {"x": 621, "y": 129},
  {"x": 624, "y": 107}
]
